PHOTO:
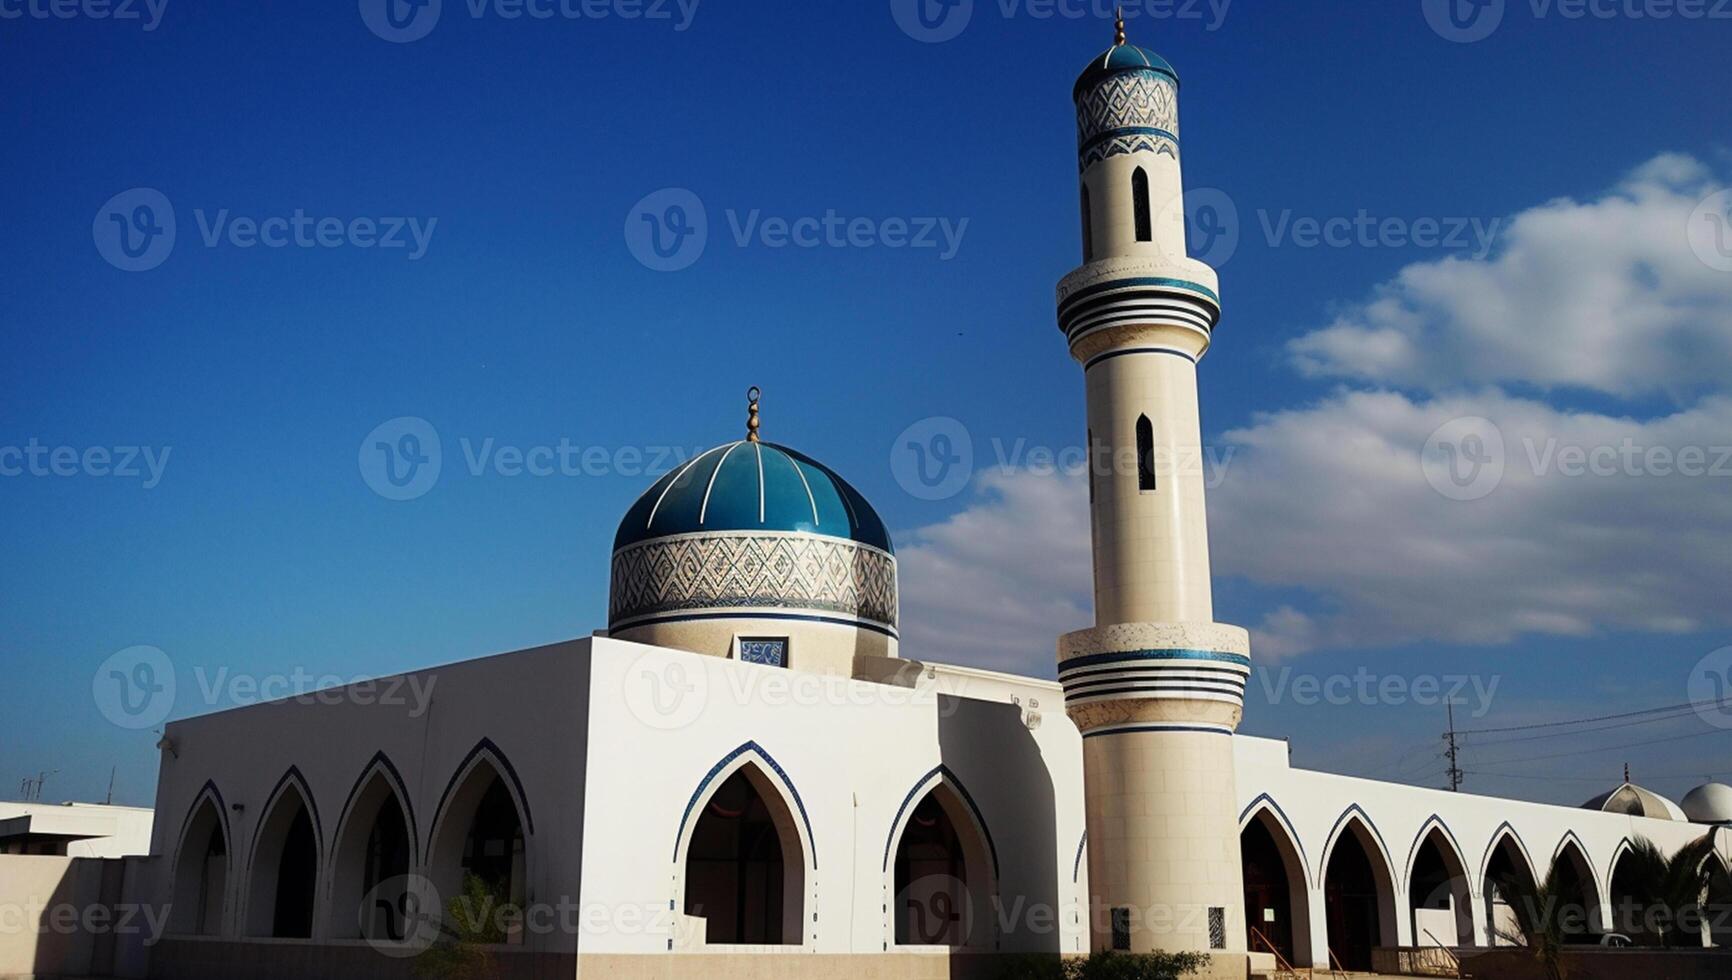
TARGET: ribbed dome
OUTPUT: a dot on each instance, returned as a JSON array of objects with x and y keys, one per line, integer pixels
[
  {"x": 1121, "y": 58},
  {"x": 749, "y": 486},
  {"x": 1708, "y": 803},
  {"x": 1637, "y": 802}
]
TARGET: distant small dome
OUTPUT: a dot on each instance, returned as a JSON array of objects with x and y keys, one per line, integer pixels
[
  {"x": 1708, "y": 803},
  {"x": 1122, "y": 58},
  {"x": 1636, "y": 802}
]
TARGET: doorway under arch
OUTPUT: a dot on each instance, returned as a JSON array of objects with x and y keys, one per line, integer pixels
[
  {"x": 745, "y": 869},
  {"x": 1578, "y": 894},
  {"x": 479, "y": 848},
  {"x": 201, "y": 871},
  {"x": 1358, "y": 896},
  {"x": 1277, "y": 902},
  {"x": 284, "y": 873},
  {"x": 1439, "y": 896},
  {"x": 371, "y": 862},
  {"x": 942, "y": 877},
  {"x": 1508, "y": 889}
]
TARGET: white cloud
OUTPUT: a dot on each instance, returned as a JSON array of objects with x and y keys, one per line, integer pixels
[
  {"x": 1331, "y": 500},
  {"x": 1606, "y": 295}
]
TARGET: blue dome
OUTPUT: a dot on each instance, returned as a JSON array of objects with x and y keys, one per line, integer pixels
[
  {"x": 1122, "y": 58},
  {"x": 747, "y": 486}
]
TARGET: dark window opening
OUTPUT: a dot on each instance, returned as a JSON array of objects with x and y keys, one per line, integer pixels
[
  {"x": 931, "y": 880},
  {"x": 735, "y": 877},
  {"x": 383, "y": 875},
  {"x": 1088, "y": 229},
  {"x": 1140, "y": 201},
  {"x": 297, "y": 872},
  {"x": 1145, "y": 454}
]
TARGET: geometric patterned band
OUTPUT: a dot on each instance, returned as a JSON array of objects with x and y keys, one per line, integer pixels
[{"x": 713, "y": 573}]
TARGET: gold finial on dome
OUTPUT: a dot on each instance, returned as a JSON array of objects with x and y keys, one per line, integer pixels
[
  {"x": 752, "y": 397},
  {"x": 1120, "y": 40}
]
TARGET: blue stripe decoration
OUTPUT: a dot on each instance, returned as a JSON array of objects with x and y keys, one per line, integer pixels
[
  {"x": 1140, "y": 655},
  {"x": 786, "y": 617},
  {"x": 944, "y": 774},
  {"x": 755, "y": 749},
  {"x": 1159, "y": 282},
  {"x": 1109, "y": 355},
  {"x": 1151, "y": 689},
  {"x": 1108, "y": 135}
]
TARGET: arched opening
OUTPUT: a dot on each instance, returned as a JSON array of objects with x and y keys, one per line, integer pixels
[
  {"x": 479, "y": 852},
  {"x": 1439, "y": 897},
  {"x": 1635, "y": 896},
  {"x": 369, "y": 886},
  {"x": 942, "y": 875},
  {"x": 200, "y": 874},
  {"x": 1088, "y": 226},
  {"x": 1140, "y": 202},
  {"x": 1145, "y": 454},
  {"x": 1358, "y": 899},
  {"x": 285, "y": 870},
  {"x": 1277, "y": 911},
  {"x": 745, "y": 868},
  {"x": 1577, "y": 895},
  {"x": 1508, "y": 893}
]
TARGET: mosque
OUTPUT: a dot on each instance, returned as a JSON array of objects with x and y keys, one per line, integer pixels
[{"x": 744, "y": 775}]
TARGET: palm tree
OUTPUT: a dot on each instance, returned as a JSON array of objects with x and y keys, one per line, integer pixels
[
  {"x": 1672, "y": 889},
  {"x": 1540, "y": 917}
]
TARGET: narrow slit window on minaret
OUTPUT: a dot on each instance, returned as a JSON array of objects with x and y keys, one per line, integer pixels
[
  {"x": 1140, "y": 203},
  {"x": 1089, "y": 453},
  {"x": 1088, "y": 216},
  {"x": 1145, "y": 454}
]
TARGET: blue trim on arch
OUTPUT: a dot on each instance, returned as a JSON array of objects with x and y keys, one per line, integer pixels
[
  {"x": 292, "y": 775},
  {"x": 1286, "y": 823},
  {"x": 1076, "y": 868},
  {"x": 383, "y": 761},
  {"x": 942, "y": 772},
  {"x": 1624, "y": 846},
  {"x": 502, "y": 764},
  {"x": 1413, "y": 850},
  {"x": 222, "y": 808},
  {"x": 1569, "y": 838},
  {"x": 1334, "y": 835},
  {"x": 715, "y": 770},
  {"x": 1521, "y": 845}
]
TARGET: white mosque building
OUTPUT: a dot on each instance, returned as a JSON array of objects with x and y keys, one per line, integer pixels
[{"x": 746, "y": 775}]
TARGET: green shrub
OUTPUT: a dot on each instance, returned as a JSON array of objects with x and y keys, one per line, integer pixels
[{"x": 1134, "y": 966}]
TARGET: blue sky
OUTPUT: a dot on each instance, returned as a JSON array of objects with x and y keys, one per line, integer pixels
[{"x": 522, "y": 148}]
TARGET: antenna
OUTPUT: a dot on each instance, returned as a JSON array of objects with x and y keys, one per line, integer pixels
[
  {"x": 110, "y": 800},
  {"x": 1454, "y": 771}
]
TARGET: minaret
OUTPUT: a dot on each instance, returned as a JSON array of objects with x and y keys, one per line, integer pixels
[{"x": 1157, "y": 687}]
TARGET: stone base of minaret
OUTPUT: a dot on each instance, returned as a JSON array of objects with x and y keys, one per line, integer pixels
[{"x": 1157, "y": 704}]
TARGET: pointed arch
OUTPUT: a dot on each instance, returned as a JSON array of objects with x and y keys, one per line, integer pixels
[
  {"x": 740, "y": 855},
  {"x": 284, "y": 861},
  {"x": 1503, "y": 892},
  {"x": 374, "y": 847},
  {"x": 1140, "y": 204},
  {"x": 202, "y": 860},
  {"x": 727, "y": 766},
  {"x": 1357, "y": 878},
  {"x": 483, "y": 826},
  {"x": 1076, "y": 868},
  {"x": 1276, "y": 876},
  {"x": 1579, "y": 873},
  {"x": 1437, "y": 880},
  {"x": 941, "y": 884}
]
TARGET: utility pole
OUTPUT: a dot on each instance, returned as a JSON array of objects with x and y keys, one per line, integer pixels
[
  {"x": 1454, "y": 770},
  {"x": 110, "y": 800}
]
